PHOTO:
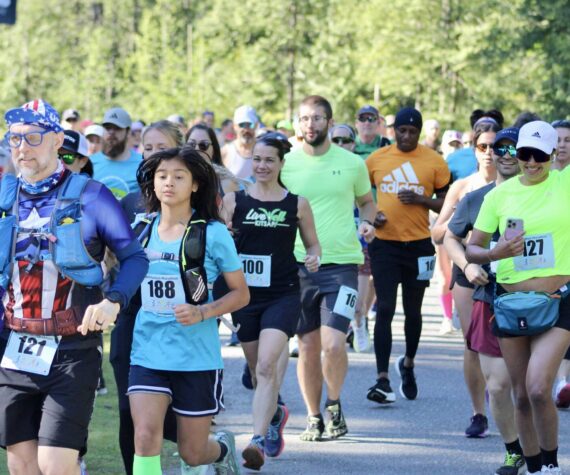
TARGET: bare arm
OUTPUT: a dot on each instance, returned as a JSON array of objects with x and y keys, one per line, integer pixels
[
  {"x": 451, "y": 199},
  {"x": 474, "y": 272},
  {"x": 309, "y": 235},
  {"x": 477, "y": 247},
  {"x": 410, "y": 197},
  {"x": 367, "y": 213},
  {"x": 228, "y": 208}
]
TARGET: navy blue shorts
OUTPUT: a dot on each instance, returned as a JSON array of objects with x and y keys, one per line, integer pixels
[{"x": 193, "y": 393}]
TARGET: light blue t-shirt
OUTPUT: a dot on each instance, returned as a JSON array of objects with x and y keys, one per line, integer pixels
[
  {"x": 119, "y": 176},
  {"x": 462, "y": 163},
  {"x": 159, "y": 341}
]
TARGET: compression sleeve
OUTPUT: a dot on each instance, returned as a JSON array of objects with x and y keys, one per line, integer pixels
[{"x": 134, "y": 266}]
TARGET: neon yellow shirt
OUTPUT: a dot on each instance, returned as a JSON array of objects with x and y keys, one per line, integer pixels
[
  {"x": 544, "y": 209},
  {"x": 330, "y": 183}
]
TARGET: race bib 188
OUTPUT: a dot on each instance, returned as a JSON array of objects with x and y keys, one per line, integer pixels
[{"x": 161, "y": 293}]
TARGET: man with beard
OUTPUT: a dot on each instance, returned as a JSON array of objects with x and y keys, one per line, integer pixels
[
  {"x": 116, "y": 165},
  {"x": 332, "y": 179},
  {"x": 237, "y": 154}
]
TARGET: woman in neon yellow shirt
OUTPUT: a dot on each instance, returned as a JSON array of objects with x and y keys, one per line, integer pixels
[{"x": 534, "y": 258}]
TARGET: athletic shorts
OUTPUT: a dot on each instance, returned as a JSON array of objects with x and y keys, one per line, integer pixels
[
  {"x": 319, "y": 291},
  {"x": 480, "y": 336},
  {"x": 364, "y": 269},
  {"x": 459, "y": 278},
  {"x": 562, "y": 322},
  {"x": 395, "y": 261},
  {"x": 193, "y": 393},
  {"x": 54, "y": 409},
  {"x": 281, "y": 313}
]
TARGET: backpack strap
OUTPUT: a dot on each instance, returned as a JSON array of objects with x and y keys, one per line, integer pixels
[{"x": 8, "y": 193}]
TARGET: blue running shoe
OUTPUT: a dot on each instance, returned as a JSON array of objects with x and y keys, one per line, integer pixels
[{"x": 274, "y": 441}]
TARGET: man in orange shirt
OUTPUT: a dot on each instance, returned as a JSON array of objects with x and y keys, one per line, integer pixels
[{"x": 406, "y": 175}]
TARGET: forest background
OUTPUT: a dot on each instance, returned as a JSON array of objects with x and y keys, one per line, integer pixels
[{"x": 159, "y": 57}]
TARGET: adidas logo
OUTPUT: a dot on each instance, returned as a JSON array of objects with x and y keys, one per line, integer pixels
[
  {"x": 401, "y": 178},
  {"x": 114, "y": 116},
  {"x": 536, "y": 134}
]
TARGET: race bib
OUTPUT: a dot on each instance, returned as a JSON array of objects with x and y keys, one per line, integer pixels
[
  {"x": 494, "y": 265},
  {"x": 538, "y": 253},
  {"x": 426, "y": 266},
  {"x": 161, "y": 293},
  {"x": 345, "y": 303},
  {"x": 257, "y": 270},
  {"x": 29, "y": 353}
]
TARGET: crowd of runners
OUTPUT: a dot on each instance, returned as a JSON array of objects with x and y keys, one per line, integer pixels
[{"x": 292, "y": 235}]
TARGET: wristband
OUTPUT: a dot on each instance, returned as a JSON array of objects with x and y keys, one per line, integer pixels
[{"x": 201, "y": 313}]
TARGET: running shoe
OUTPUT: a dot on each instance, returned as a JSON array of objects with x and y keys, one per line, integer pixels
[
  {"x": 229, "y": 465},
  {"x": 186, "y": 469},
  {"x": 563, "y": 395},
  {"x": 408, "y": 386},
  {"x": 274, "y": 441},
  {"x": 336, "y": 426},
  {"x": 234, "y": 340},
  {"x": 82, "y": 466},
  {"x": 294, "y": 347},
  {"x": 246, "y": 377},
  {"x": 550, "y": 469},
  {"x": 314, "y": 430},
  {"x": 381, "y": 392},
  {"x": 479, "y": 427},
  {"x": 514, "y": 465},
  {"x": 361, "y": 338},
  {"x": 253, "y": 455},
  {"x": 446, "y": 327},
  {"x": 350, "y": 336}
]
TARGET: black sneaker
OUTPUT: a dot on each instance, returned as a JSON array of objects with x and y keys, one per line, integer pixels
[
  {"x": 408, "y": 386},
  {"x": 514, "y": 465},
  {"x": 336, "y": 426},
  {"x": 246, "y": 377},
  {"x": 381, "y": 392},
  {"x": 478, "y": 428},
  {"x": 314, "y": 430}
]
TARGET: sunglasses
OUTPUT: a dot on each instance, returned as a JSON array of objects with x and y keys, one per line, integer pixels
[
  {"x": 342, "y": 140},
  {"x": 525, "y": 154},
  {"x": 484, "y": 147},
  {"x": 502, "y": 150},
  {"x": 202, "y": 145},
  {"x": 367, "y": 118},
  {"x": 68, "y": 158},
  {"x": 246, "y": 125}
]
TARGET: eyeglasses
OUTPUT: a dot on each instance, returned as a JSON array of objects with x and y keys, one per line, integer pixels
[
  {"x": 315, "y": 118},
  {"x": 342, "y": 140},
  {"x": 68, "y": 158},
  {"x": 525, "y": 154},
  {"x": 367, "y": 118},
  {"x": 246, "y": 125},
  {"x": 502, "y": 150},
  {"x": 202, "y": 145},
  {"x": 484, "y": 147},
  {"x": 33, "y": 139}
]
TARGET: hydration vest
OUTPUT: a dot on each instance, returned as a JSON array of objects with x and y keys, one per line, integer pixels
[
  {"x": 191, "y": 255},
  {"x": 66, "y": 247}
]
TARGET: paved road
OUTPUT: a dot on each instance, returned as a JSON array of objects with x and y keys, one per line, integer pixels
[{"x": 409, "y": 437}]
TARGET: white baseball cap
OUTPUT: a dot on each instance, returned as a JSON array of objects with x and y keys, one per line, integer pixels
[
  {"x": 245, "y": 114},
  {"x": 94, "y": 129},
  {"x": 539, "y": 135}
]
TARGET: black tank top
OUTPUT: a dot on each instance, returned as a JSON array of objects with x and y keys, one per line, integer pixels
[{"x": 265, "y": 239}]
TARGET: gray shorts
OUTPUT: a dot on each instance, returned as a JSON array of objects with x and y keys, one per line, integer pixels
[{"x": 319, "y": 292}]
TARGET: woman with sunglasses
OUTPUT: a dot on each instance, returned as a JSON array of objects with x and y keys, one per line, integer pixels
[
  {"x": 461, "y": 284},
  {"x": 176, "y": 356},
  {"x": 533, "y": 265},
  {"x": 265, "y": 220},
  {"x": 73, "y": 153}
]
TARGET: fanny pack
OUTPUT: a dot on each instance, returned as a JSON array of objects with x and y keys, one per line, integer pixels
[{"x": 528, "y": 313}]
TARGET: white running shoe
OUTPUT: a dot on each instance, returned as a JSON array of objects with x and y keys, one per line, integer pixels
[
  {"x": 186, "y": 469},
  {"x": 551, "y": 469},
  {"x": 446, "y": 327},
  {"x": 361, "y": 340},
  {"x": 294, "y": 347}
]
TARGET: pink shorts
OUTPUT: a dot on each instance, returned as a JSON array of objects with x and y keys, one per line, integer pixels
[{"x": 479, "y": 337}]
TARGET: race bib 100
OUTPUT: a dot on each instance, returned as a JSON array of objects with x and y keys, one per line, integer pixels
[{"x": 257, "y": 270}]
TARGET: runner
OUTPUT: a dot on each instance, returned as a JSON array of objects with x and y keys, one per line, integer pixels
[
  {"x": 332, "y": 180},
  {"x": 64, "y": 222},
  {"x": 533, "y": 270},
  {"x": 176, "y": 351},
  {"x": 406, "y": 176},
  {"x": 265, "y": 220},
  {"x": 237, "y": 154}
]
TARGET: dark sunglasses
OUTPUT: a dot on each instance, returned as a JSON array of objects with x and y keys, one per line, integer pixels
[
  {"x": 68, "y": 158},
  {"x": 202, "y": 145},
  {"x": 246, "y": 125},
  {"x": 342, "y": 140},
  {"x": 525, "y": 154},
  {"x": 502, "y": 150},
  {"x": 367, "y": 118},
  {"x": 483, "y": 147}
]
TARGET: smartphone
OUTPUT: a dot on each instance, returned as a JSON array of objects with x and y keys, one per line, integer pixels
[{"x": 514, "y": 226}]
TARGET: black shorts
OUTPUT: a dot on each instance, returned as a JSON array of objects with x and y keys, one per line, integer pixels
[
  {"x": 562, "y": 322},
  {"x": 397, "y": 262},
  {"x": 319, "y": 291},
  {"x": 54, "y": 409},
  {"x": 193, "y": 393},
  {"x": 281, "y": 313},
  {"x": 459, "y": 278}
]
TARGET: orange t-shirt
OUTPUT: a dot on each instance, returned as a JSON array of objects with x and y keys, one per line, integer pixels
[{"x": 421, "y": 170}]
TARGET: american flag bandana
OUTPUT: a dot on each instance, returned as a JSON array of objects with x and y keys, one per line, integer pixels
[{"x": 36, "y": 112}]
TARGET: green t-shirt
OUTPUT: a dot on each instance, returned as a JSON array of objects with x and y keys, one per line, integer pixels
[
  {"x": 330, "y": 183},
  {"x": 544, "y": 211},
  {"x": 365, "y": 149}
]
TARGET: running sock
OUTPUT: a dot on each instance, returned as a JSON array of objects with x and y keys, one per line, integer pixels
[
  {"x": 147, "y": 465},
  {"x": 446, "y": 302},
  {"x": 514, "y": 447},
  {"x": 549, "y": 457},
  {"x": 223, "y": 452},
  {"x": 533, "y": 463},
  {"x": 276, "y": 416},
  {"x": 330, "y": 402}
]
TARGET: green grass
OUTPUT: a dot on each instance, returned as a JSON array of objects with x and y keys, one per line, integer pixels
[{"x": 104, "y": 456}]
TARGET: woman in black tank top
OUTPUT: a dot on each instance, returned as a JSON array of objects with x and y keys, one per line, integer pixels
[{"x": 265, "y": 219}]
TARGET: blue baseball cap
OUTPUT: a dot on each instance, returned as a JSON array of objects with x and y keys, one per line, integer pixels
[
  {"x": 368, "y": 109},
  {"x": 510, "y": 133},
  {"x": 36, "y": 112}
]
